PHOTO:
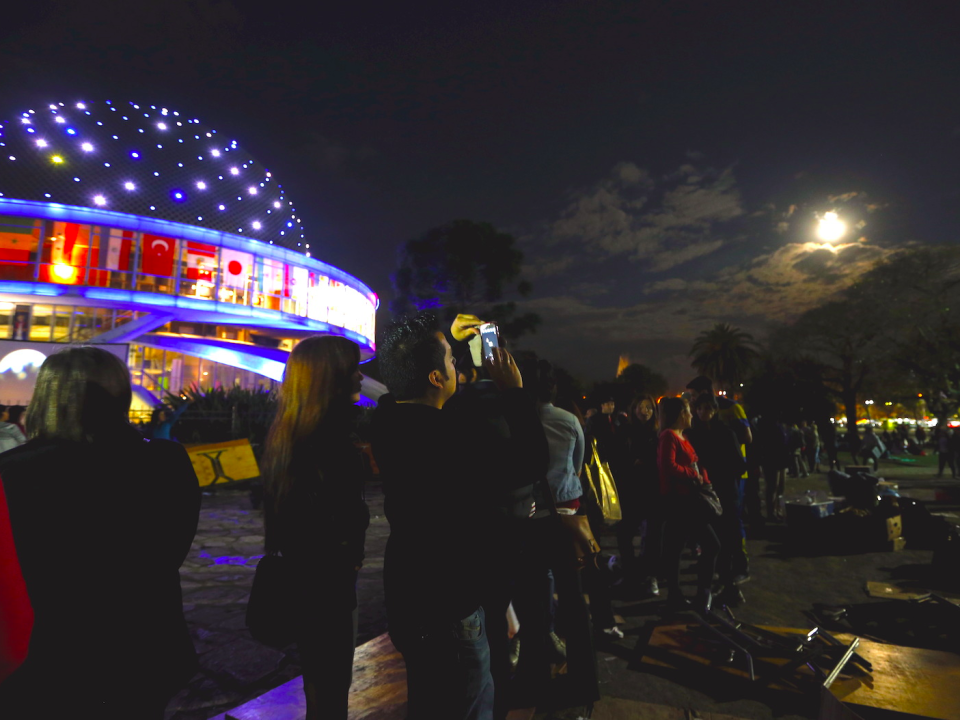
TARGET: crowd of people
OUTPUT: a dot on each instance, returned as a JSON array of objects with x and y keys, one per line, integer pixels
[{"x": 479, "y": 460}]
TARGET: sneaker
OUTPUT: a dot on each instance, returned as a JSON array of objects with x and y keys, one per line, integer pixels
[
  {"x": 613, "y": 633},
  {"x": 557, "y": 648},
  {"x": 514, "y": 653},
  {"x": 649, "y": 587}
]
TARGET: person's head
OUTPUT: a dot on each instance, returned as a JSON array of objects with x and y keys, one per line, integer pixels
[
  {"x": 416, "y": 362},
  {"x": 869, "y": 429},
  {"x": 4, "y": 413},
  {"x": 15, "y": 413},
  {"x": 81, "y": 394},
  {"x": 674, "y": 414},
  {"x": 705, "y": 407},
  {"x": 700, "y": 385},
  {"x": 642, "y": 409},
  {"x": 608, "y": 406},
  {"x": 321, "y": 372},
  {"x": 539, "y": 378}
]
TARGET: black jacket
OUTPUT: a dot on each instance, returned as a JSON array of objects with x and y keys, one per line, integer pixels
[
  {"x": 718, "y": 450},
  {"x": 443, "y": 497},
  {"x": 322, "y": 525},
  {"x": 101, "y": 530}
]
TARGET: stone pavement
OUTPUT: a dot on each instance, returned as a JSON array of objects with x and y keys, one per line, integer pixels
[
  {"x": 216, "y": 579},
  {"x": 234, "y": 668}
]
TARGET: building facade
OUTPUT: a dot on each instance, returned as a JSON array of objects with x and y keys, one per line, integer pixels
[{"x": 127, "y": 223}]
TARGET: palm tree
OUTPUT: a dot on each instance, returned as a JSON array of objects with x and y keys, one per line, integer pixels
[{"x": 725, "y": 354}]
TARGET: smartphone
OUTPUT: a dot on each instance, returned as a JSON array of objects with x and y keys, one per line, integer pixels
[{"x": 489, "y": 339}]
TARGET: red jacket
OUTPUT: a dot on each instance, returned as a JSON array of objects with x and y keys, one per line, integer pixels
[
  {"x": 675, "y": 458},
  {"x": 16, "y": 614}
]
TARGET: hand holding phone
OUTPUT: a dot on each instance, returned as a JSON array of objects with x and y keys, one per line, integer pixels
[{"x": 489, "y": 339}]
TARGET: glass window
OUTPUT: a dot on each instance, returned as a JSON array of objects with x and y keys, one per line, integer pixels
[
  {"x": 65, "y": 253},
  {"x": 269, "y": 276},
  {"x": 61, "y": 323},
  {"x": 41, "y": 322},
  {"x": 6, "y": 317},
  {"x": 111, "y": 258},
  {"x": 158, "y": 255},
  {"x": 198, "y": 270},
  {"x": 236, "y": 276},
  {"x": 19, "y": 240}
]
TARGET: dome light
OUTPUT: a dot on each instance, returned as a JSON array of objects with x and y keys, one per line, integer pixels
[
  {"x": 86, "y": 147},
  {"x": 99, "y": 200},
  {"x": 252, "y": 190},
  {"x": 59, "y": 119},
  {"x": 129, "y": 185},
  {"x": 276, "y": 203},
  {"x": 234, "y": 171},
  {"x": 71, "y": 131},
  {"x": 256, "y": 225},
  {"x": 57, "y": 159},
  {"x": 41, "y": 143},
  {"x": 215, "y": 153},
  {"x": 135, "y": 155},
  {"x": 162, "y": 126},
  {"x": 178, "y": 195},
  {"x": 81, "y": 106},
  {"x": 201, "y": 185},
  {"x": 223, "y": 207}
]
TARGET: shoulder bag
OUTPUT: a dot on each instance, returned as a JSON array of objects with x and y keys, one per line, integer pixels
[
  {"x": 575, "y": 543},
  {"x": 270, "y": 617}
]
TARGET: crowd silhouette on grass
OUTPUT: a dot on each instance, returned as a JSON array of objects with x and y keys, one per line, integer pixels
[{"x": 480, "y": 463}]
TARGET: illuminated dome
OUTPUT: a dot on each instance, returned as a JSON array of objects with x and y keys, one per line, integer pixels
[{"x": 144, "y": 160}]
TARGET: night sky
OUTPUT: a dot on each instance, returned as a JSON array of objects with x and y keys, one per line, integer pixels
[{"x": 663, "y": 164}]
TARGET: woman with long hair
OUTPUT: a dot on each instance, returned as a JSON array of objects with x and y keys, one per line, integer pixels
[
  {"x": 102, "y": 520},
  {"x": 314, "y": 512},
  {"x": 684, "y": 517},
  {"x": 640, "y": 495}
]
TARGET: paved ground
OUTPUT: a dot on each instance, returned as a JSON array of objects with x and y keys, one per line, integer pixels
[{"x": 217, "y": 576}]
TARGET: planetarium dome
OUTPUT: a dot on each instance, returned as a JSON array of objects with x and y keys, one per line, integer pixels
[
  {"x": 144, "y": 160},
  {"x": 137, "y": 227}
]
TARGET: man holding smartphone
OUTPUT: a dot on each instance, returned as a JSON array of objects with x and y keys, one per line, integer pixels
[{"x": 438, "y": 501}]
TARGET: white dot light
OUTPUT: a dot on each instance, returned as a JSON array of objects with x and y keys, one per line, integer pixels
[
  {"x": 162, "y": 126},
  {"x": 215, "y": 153},
  {"x": 223, "y": 207},
  {"x": 86, "y": 147},
  {"x": 81, "y": 106},
  {"x": 256, "y": 225},
  {"x": 60, "y": 119},
  {"x": 234, "y": 171},
  {"x": 129, "y": 185},
  {"x": 252, "y": 190},
  {"x": 41, "y": 143},
  {"x": 276, "y": 203},
  {"x": 201, "y": 185},
  {"x": 99, "y": 200}
]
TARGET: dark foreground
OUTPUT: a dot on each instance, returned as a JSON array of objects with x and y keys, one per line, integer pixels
[{"x": 786, "y": 580}]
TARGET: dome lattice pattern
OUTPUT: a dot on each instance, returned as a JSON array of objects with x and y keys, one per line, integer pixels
[{"x": 144, "y": 160}]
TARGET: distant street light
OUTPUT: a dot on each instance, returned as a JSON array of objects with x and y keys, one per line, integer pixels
[{"x": 831, "y": 227}]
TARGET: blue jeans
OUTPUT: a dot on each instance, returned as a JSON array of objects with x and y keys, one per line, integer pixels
[{"x": 448, "y": 669}]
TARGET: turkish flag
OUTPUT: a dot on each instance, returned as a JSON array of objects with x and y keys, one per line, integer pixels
[{"x": 156, "y": 255}]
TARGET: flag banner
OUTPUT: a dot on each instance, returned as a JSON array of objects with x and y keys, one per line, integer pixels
[
  {"x": 118, "y": 247},
  {"x": 18, "y": 238},
  {"x": 237, "y": 268},
  {"x": 271, "y": 277},
  {"x": 201, "y": 261},
  {"x": 157, "y": 255}
]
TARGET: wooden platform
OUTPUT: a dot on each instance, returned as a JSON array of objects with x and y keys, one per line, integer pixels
[
  {"x": 905, "y": 682},
  {"x": 379, "y": 691}
]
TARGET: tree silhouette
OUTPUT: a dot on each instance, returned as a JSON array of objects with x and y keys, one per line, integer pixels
[
  {"x": 640, "y": 379},
  {"x": 463, "y": 266},
  {"x": 724, "y": 353}
]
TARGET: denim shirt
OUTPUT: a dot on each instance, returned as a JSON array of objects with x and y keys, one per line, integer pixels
[{"x": 566, "y": 444}]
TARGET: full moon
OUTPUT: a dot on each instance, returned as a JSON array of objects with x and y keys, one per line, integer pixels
[{"x": 831, "y": 228}]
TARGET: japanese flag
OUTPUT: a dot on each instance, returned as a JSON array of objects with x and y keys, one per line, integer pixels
[{"x": 237, "y": 267}]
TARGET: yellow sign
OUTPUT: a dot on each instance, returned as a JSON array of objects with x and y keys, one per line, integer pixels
[{"x": 225, "y": 462}]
